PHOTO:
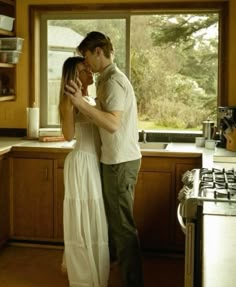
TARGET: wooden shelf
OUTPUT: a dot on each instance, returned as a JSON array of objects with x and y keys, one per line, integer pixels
[
  {"x": 7, "y": 98},
  {"x": 7, "y": 33},
  {"x": 7, "y": 65},
  {"x": 9, "y": 2}
]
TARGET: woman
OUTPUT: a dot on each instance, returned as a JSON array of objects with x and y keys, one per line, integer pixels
[{"x": 86, "y": 255}]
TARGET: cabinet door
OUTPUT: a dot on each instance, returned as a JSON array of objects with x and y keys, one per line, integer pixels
[
  {"x": 4, "y": 200},
  {"x": 152, "y": 209},
  {"x": 59, "y": 197},
  {"x": 32, "y": 198}
]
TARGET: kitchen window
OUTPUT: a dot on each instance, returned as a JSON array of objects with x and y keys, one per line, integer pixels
[{"x": 173, "y": 58}]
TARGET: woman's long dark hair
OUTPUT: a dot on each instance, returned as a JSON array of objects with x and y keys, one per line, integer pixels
[{"x": 69, "y": 72}]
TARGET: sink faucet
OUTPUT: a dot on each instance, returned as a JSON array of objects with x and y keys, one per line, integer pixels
[{"x": 144, "y": 136}]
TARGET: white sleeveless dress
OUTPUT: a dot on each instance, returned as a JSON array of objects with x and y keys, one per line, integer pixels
[{"x": 86, "y": 254}]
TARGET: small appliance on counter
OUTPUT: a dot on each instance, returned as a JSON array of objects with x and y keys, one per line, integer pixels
[
  {"x": 227, "y": 127},
  {"x": 208, "y": 129}
]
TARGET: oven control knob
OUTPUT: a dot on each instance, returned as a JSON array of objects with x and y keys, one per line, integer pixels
[
  {"x": 187, "y": 178},
  {"x": 183, "y": 193}
]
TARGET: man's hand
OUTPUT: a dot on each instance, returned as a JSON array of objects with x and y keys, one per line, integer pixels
[
  {"x": 73, "y": 91},
  {"x": 109, "y": 121}
]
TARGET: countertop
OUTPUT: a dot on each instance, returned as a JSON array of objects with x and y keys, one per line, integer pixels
[
  {"x": 174, "y": 149},
  {"x": 21, "y": 144}
]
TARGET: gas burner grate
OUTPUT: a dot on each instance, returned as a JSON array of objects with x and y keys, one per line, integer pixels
[
  {"x": 211, "y": 171},
  {"x": 218, "y": 193},
  {"x": 217, "y": 171},
  {"x": 218, "y": 175},
  {"x": 217, "y": 183}
]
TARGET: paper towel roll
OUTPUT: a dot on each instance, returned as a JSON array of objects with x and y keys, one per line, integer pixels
[{"x": 33, "y": 122}]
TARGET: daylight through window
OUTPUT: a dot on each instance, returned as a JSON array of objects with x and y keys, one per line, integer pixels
[{"x": 171, "y": 60}]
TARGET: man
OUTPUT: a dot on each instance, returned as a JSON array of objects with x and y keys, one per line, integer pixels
[{"x": 116, "y": 117}]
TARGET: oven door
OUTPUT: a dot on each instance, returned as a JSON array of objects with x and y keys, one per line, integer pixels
[
  {"x": 192, "y": 229},
  {"x": 188, "y": 229}
]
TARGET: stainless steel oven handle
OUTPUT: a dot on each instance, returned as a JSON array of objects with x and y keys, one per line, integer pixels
[{"x": 180, "y": 219}]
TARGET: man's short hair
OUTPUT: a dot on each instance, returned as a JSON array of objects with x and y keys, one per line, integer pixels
[{"x": 93, "y": 40}]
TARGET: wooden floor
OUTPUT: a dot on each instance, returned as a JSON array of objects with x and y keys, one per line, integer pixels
[{"x": 22, "y": 266}]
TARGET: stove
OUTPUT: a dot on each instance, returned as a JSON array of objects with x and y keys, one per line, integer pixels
[
  {"x": 207, "y": 203},
  {"x": 206, "y": 185}
]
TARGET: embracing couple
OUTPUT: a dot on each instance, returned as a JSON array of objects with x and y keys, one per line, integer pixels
[{"x": 101, "y": 171}]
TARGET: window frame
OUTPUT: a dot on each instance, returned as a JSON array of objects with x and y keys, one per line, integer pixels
[
  {"x": 44, "y": 50},
  {"x": 125, "y": 10}
]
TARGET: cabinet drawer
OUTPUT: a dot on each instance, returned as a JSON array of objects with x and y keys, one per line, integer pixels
[{"x": 156, "y": 164}]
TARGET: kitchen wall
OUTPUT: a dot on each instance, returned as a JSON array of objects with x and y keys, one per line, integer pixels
[{"x": 16, "y": 111}]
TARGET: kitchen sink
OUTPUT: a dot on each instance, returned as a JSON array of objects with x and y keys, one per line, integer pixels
[{"x": 153, "y": 145}]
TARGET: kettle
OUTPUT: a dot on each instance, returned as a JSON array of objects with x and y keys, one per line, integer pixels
[{"x": 208, "y": 129}]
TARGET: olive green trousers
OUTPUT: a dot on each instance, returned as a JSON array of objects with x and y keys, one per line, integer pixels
[{"x": 118, "y": 191}]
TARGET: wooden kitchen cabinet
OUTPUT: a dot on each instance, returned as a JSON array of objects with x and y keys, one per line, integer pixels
[
  {"x": 37, "y": 193},
  {"x": 32, "y": 198},
  {"x": 152, "y": 208},
  {"x": 156, "y": 201},
  {"x": 4, "y": 200}
]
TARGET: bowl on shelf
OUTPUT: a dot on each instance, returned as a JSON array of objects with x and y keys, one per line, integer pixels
[
  {"x": 6, "y": 22},
  {"x": 11, "y": 43},
  {"x": 11, "y": 57}
]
